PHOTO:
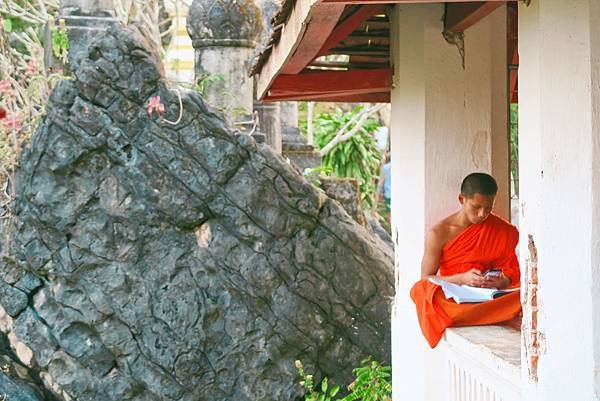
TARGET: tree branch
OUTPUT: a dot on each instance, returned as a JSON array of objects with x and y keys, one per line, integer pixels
[{"x": 345, "y": 134}]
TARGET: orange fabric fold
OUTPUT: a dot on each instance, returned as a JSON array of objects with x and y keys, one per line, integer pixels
[{"x": 484, "y": 246}]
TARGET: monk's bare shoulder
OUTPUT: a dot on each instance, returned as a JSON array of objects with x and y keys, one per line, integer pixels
[{"x": 439, "y": 234}]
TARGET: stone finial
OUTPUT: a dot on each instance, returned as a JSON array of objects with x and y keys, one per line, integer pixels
[
  {"x": 84, "y": 21},
  {"x": 268, "y": 10},
  {"x": 235, "y": 23}
]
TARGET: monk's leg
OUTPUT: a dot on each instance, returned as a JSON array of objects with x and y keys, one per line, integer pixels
[
  {"x": 432, "y": 319},
  {"x": 501, "y": 309}
]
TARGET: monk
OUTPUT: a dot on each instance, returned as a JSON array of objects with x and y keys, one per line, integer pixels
[{"x": 460, "y": 249}]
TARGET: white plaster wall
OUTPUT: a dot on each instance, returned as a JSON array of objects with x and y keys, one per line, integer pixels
[
  {"x": 466, "y": 106},
  {"x": 441, "y": 122},
  {"x": 408, "y": 196},
  {"x": 559, "y": 100},
  {"x": 530, "y": 163},
  {"x": 595, "y": 147}
]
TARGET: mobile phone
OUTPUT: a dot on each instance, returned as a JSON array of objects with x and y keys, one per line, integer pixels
[{"x": 492, "y": 273}]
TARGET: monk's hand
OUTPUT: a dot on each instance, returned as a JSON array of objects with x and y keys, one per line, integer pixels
[
  {"x": 473, "y": 278},
  {"x": 500, "y": 282}
]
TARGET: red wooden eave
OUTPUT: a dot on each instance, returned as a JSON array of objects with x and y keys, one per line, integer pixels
[
  {"x": 316, "y": 29},
  {"x": 312, "y": 85},
  {"x": 324, "y": 19},
  {"x": 461, "y": 16},
  {"x": 342, "y": 97},
  {"x": 512, "y": 52},
  {"x": 349, "y": 25}
]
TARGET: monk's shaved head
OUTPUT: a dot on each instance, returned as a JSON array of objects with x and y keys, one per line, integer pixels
[{"x": 479, "y": 183}]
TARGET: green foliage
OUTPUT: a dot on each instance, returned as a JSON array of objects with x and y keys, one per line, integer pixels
[
  {"x": 357, "y": 157},
  {"x": 7, "y": 25},
  {"x": 324, "y": 393},
  {"x": 12, "y": 24},
  {"x": 206, "y": 81},
  {"x": 60, "y": 42},
  {"x": 24, "y": 84},
  {"x": 514, "y": 146},
  {"x": 313, "y": 175},
  {"x": 372, "y": 383}
]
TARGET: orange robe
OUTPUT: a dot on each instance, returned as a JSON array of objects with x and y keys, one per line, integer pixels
[{"x": 487, "y": 245}]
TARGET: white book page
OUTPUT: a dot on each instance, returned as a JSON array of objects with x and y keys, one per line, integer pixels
[{"x": 466, "y": 293}]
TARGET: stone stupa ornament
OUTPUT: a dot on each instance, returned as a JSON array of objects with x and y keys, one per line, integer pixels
[
  {"x": 224, "y": 34},
  {"x": 84, "y": 20},
  {"x": 234, "y": 23}
]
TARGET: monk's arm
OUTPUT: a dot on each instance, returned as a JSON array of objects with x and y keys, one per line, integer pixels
[
  {"x": 431, "y": 256},
  {"x": 431, "y": 262}
]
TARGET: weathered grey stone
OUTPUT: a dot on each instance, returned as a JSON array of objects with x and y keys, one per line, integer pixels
[
  {"x": 17, "y": 381},
  {"x": 224, "y": 23},
  {"x": 13, "y": 300},
  {"x": 180, "y": 262},
  {"x": 16, "y": 390},
  {"x": 347, "y": 193}
]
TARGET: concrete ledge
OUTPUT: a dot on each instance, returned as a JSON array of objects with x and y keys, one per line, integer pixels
[
  {"x": 484, "y": 357},
  {"x": 495, "y": 342}
]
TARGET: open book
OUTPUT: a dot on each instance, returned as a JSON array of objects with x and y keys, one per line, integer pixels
[{"x": 467, "y": 294}]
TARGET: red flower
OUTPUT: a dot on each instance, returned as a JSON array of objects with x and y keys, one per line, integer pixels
[
  {"x": 12, "y": 123},
  {"x": 6, "y": 88},
  {"x": 2, "y": 113},
  {"x": 31, "y": 68},
  {"x": 155, "y": 105}
]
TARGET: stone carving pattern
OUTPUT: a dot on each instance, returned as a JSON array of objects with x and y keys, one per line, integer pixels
[
  {"x": 159, "y": 262},
  {"x": 224, "y": 23}
]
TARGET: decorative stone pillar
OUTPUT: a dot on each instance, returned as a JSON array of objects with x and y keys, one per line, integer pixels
[
  {"x": 270, "y": 124},
  {"x": 224, "y": 34},
  {"x": 84, "y": 20},
  {"x": 269, "y": 114},
  {"x": 295, "y": 146},
  {"x": 289, "y": 123}
]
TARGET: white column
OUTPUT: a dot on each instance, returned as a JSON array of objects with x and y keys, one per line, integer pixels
[
  {"x": 559, "y": 92},
  {"x": 179, "y": 57},
  {"x": 443, "y": 120}
]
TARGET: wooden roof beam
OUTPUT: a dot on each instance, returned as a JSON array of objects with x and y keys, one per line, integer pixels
[
  {"x": 375, "y": 97},
  {"x": 461, "y": 16},
  {"x": 349, "y": 25},
  {"x": 308, "y": 27},
  {"x": 313, "y": 83},
  {"x": 323, "y": 20}
]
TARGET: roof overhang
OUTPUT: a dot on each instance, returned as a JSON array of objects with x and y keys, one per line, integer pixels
[{"x": 339, "y": 50}]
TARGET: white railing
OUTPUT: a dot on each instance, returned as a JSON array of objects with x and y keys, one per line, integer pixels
[{"x": 483, "y": 364}]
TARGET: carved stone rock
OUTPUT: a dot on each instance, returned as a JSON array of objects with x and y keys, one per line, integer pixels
[{"x": 152, "y": 261}]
